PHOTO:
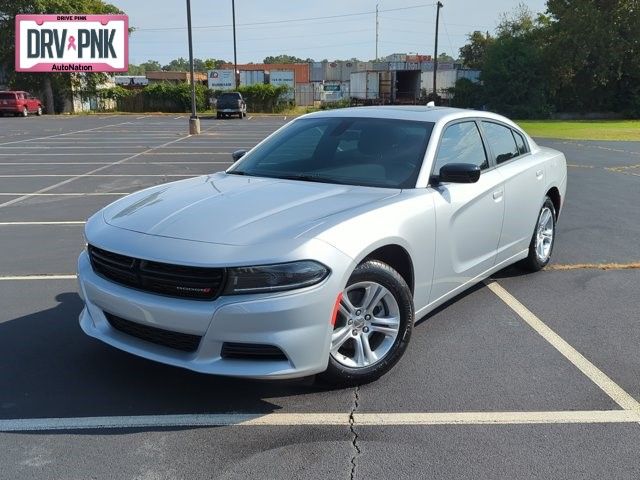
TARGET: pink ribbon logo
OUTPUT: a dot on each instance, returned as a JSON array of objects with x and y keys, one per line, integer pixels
[{"x": 72, "y": 43}]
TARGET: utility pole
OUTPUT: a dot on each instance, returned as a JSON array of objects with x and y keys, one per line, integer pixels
[
  {"x": 194, "y": 121},
  {"x": 235, "y": 56},
  {"x": 377, "y": 28},
  {"x": 435, "y": 55}
]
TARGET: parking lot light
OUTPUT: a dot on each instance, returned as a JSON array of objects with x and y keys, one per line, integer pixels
[{"x": 194, "y": 121}]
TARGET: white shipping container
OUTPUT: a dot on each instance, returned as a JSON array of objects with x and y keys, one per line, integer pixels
[
  {"x": 365, "y": 85},
  {"x": 284, "y": 77},
  {"x": 221, "y": 80},
  {"x": 251, "y": 77},
  {"x": 444, "y": 79}
]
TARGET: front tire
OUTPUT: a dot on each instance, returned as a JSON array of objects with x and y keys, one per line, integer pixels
[
  {"x": 39, "y": 111},
  {"x": 373, "y": 326},
  {"x": 543, "y": 239},
  {"x": 25, "y": 112}
]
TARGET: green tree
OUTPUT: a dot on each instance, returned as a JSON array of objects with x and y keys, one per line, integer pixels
[
  {"x": 473, "y": 53},
  {"x": 514, "y": 69},
  {"x": 285, "y": 59},
  {"x": 445, "y": 58},
  {"x": 148, "y": 66},
  {"x": 594, "y": 55},
  {"x": 178, "y": 65},
  {"x": 54, "y": 86}
]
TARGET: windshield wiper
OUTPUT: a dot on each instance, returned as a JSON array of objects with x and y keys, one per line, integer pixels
[{"x": 309, "y": 177}]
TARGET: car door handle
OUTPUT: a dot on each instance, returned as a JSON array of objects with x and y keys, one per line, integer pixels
[
  {"x": 539, "y": 174},
  {"x": 497, "y": 195}
]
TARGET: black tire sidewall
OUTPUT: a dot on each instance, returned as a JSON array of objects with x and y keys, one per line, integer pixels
[{"x": 376, "y": 271}]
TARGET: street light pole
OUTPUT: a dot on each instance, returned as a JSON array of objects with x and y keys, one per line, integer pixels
[
  {"x": 435, "y": 57},
  {"x": 194, "y": 121},
  {"x": 235, "y": 56}
]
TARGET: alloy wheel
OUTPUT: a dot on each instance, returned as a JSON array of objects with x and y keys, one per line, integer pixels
[
  {"x": 544, "y": 234},
  {"x": 367, "y": 325}
]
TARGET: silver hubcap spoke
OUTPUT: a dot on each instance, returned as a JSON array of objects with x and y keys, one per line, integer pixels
[
  {"x": 544, "y": 234},
  {"x": 367, "y": 326}
]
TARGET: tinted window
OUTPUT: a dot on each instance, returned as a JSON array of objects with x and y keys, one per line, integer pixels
[
  {"x": 7, "y": 96},
  {"x": 356, "y": 151},
  {"x": 229, "y": 96},
  {"x": 501, "y": 141},
  {"x": 522, "y": 146},
  {"x": 461, "y": 143}
]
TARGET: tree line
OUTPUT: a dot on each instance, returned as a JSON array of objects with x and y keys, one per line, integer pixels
[{"x": 580, "y": 56}]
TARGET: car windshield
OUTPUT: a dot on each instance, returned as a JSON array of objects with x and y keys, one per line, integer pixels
[
  {"x": 229, "y": 96},
  {"x": 374, "y": 152}
]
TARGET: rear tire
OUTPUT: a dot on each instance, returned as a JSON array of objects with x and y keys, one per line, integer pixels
[
  {"x": 543, "y": 239},
  {"x": 373, "y": 326}
]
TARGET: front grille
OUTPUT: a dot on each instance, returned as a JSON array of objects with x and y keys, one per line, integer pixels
[
  {"x": 179, "y": 341},
  {"x": 251, "y": 351},
  {"x": 163, "y": 278}
]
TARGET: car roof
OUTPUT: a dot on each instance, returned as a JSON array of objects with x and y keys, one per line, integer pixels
[{"x": 411, "y": 112}]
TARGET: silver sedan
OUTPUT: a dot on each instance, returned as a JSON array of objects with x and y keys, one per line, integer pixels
[{"x": 316, "y": 251}]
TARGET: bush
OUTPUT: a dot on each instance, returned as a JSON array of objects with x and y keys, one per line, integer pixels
[{"x": 159, "y": 97}]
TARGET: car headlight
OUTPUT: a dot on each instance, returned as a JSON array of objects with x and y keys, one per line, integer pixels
[{"x": 274, "y": 278}]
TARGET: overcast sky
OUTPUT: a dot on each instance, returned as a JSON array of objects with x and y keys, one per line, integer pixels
[{"x": 161, "y": 27}]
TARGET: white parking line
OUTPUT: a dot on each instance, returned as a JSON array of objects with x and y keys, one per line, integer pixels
[
  {"x": 596, "y": 375},
  {"x": 24, "y": 196},
  {"x": 95, "y": 170},
  {"x": 319, "y": 419},
  {"x": 64, "y": 134},
  {"x": 7, "y": 224},
  {"x": 17, "y": 278},
  {"x": 110, "y": 163},
  {"x": 100, "y": 175}
]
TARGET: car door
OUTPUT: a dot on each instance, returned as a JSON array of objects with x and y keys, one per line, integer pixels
[
  {"x": 468, "y": 216},
  {"x": 524, "y": 187},
  {"x": 32, "y": 103}
]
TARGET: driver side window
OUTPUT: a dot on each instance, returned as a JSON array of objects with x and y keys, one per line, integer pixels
[{"x": 461, "y": 143}]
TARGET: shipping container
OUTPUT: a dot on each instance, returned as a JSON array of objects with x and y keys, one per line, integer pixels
[
  {"x": 365, "y": 85},
  {"x": 335, "y": 92},
  {"x": 407, "y": 86},
  {"x": 305, "y": 94},
  {"x": 316, "y": 72},
  {"x": 444, "y": 79},
  {"x": 284, "y": 77},
  {"x": 221, "y": 80},
  {"x": 473, "y": 75},
  {"x": 251, "y": 77}
]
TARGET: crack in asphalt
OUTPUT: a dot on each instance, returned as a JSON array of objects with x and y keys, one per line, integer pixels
[{"x": 354, "y": 440}]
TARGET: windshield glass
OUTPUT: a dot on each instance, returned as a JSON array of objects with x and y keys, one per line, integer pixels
[
  {"x": 375, "y": 152},
  {"x": 229, "y": 96}
]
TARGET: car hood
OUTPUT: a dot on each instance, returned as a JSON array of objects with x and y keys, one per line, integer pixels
[{"x": 237, "y": 210}]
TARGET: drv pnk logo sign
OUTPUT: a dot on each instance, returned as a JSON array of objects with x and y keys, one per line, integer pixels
[{"x": 72, "y": 43}]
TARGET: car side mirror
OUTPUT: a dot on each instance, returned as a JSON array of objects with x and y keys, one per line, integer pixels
[
  {"x": 459, "y": 173},
  {"x": 238, "y": 154}
]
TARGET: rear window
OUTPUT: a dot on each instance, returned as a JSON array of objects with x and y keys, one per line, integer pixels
[
  {"x": 7, "y": 96},
  {"x": 229, "y": 96}
]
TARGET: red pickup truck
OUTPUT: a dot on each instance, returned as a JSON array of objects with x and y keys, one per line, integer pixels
[{"x": 19, "y": 103}]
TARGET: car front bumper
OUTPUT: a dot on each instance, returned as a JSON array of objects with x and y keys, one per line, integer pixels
[{"x": 297, "y": 322}]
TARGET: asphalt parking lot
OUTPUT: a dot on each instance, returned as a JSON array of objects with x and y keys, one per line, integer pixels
[{"x": 530, "y": 376}]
